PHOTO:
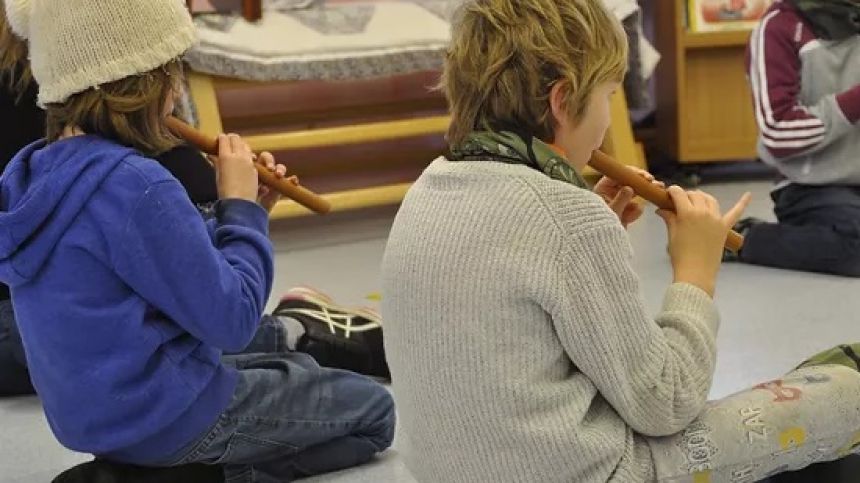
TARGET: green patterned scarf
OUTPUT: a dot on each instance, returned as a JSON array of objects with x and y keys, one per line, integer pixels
[
  {"x": 512, "y": 148},
  {"x": 831, "y": 19}
]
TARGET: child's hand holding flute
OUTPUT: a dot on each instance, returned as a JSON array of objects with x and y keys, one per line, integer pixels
[
  {"x": 698, "y": 230},
  {"x": 269, "y": 174}
]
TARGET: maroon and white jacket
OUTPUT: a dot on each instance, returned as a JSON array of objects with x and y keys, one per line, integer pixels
[{"x": 806, "y": 92}]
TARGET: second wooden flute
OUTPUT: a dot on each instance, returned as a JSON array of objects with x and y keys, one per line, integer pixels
[
  {"x": 299, "y": 194},
  {"x": 611, "y": 168}
]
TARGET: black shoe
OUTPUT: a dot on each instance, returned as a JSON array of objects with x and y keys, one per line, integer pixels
[
  {"x": 730, "y": 256},
  {"x": 337, "y": 337},
  {"x": 102, "y": 471},
  {"x": 742, "y": 227}
]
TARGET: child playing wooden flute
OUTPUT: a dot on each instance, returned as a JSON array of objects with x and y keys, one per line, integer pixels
[
  {"x": 519, "y": 342},
  {"x": 126, "y": 299}
]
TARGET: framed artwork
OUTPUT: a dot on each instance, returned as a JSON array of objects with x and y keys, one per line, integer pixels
[{"x": 715, "y": 15}]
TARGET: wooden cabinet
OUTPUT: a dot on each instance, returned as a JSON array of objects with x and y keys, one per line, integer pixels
[{"x": 704, "y": 106}]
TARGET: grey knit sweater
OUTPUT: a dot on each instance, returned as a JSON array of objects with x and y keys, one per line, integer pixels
[{"x": 518, "y": 339}]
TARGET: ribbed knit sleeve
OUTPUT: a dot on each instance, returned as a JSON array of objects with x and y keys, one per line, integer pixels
[{"x": 655, "y": 373}]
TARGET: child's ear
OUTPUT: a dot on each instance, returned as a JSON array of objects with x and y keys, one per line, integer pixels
[{"x": 558, "y": 103}]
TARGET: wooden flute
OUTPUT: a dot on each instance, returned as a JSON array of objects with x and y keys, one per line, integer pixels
[
  {"x": 299, "y": 194},
  {"x": 612, "y": 169}
]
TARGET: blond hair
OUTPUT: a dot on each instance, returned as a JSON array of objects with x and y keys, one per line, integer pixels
[
  {"x": 505, "y": 56},
  {"x": 14, "y": 68},
  {"x": 128, "y": 111}
]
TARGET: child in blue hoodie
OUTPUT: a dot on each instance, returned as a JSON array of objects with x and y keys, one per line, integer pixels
[{"x": 145, "y": 296}]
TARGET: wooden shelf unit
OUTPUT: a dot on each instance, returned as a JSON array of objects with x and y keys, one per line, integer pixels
[
  {"x": 706, "y": 40},
  {"x": 704, "y": 106},
  {"x": 619, "y": 142}
]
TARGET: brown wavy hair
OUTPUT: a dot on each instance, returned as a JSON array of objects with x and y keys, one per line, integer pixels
[
  {"x": 505, "y": 56},
  {"x": 128, "y": 111}
]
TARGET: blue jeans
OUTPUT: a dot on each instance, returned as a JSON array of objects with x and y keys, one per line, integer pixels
[
  {"x": 818, "y": 231},
  {"x": 291, "y": 418},
  {"x": 14, "y": 377},
  {"x": 271, "y": 337}
]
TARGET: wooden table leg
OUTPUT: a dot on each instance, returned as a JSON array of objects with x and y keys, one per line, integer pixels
[
  {"x": 202, "y": 90},
  {"x": 252, "y": 10}
]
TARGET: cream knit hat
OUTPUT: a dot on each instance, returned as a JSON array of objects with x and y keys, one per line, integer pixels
[{"x": 79, "y": 44}]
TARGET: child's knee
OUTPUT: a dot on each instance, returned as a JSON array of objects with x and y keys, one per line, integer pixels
[
  {"x": 383, "y": 419},
  {"x": 358, "y": 398}
]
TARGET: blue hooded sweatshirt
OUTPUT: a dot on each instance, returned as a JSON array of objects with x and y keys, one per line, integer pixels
[{"x": 125, "y": 298}]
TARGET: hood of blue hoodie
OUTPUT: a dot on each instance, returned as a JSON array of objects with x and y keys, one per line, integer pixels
[{"x": 42, "y": 191}]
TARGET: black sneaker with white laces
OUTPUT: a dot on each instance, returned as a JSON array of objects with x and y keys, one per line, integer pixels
[{"x": 336, "y": 336}]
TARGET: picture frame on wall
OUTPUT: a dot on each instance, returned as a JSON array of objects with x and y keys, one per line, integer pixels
[{"x": 720, "y": 15}]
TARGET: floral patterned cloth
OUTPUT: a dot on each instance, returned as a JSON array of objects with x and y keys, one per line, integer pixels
[{"x": 811, "y": 415}]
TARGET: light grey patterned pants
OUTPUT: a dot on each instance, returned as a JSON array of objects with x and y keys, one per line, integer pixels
[{"x": 809, "y": 416}]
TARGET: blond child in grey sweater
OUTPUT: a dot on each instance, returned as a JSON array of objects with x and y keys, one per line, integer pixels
[{"x": 516, "y": 331}]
